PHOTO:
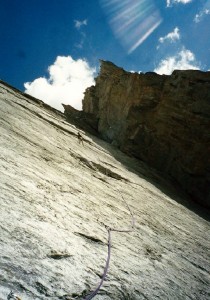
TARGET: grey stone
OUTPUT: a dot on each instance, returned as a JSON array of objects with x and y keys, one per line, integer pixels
[{"x": 57, "y": 196}]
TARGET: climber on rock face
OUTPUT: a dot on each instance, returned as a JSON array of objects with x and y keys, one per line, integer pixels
[
  {"x": 12, "y": 296},
  {"x": 80, "y": 138}
]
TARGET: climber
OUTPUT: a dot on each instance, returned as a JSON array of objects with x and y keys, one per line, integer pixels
[
  {"x": 12, "y": 296},
  {"x": 80, "y": 138}
]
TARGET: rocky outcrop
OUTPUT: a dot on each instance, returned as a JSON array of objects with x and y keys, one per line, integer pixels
[
  {"x": 82, "y": 120},
  {"x": 162, "y": 120},
  {"x": 58, "y": 197}
]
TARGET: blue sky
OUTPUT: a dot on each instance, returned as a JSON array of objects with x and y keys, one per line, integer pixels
[{"x": 51, "y": 48}]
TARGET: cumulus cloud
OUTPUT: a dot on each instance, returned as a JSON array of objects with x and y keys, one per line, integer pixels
[
  {"x": 67, "y": 81},
  {"x": 78, "y": 24},
  {"x": 171, "y": 36},
  {"x": 199, "y": 17},
  {"x": 184, "y": 60},
  {"x": 170, "y": 2}
]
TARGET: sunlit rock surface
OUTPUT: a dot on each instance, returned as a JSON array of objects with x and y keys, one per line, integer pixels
[
  {"x": 162, "y": 120},
  {"x": 57, "y": 196}
]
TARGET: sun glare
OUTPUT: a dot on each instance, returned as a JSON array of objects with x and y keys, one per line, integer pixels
[{"x": 132, "y": 21}]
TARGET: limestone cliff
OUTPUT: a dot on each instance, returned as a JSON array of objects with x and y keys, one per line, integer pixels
[
  {"x": 162, "y": 120},
  {"x": 57, "y": 196}
]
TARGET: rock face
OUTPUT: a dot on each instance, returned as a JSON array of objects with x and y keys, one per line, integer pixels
[
  {"x": 56, "y": 197},
  {"x": 81, "y": 119},
  {"x": 162, "y": 120}
]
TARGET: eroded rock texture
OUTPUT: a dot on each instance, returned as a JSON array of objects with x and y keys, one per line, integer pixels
[
  {"x": 57, "y": 195},
  {"x": 162, "y": 120}
]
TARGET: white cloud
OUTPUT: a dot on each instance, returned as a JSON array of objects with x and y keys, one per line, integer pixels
[
  {"x": 184, "y": 60},
  {"x": 183, "y": 1},
  {"x": 68, "y": 79},
  {"x": 201, "y": 15},
  {"x": 80, "y": 45},
  {"x": 171, "y": 36},
  {"x": 78, "y": 24},
  {"x": 170, "y": 2}
]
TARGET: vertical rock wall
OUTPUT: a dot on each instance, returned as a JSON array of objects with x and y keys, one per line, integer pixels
[{"x": 162, "y": 120}]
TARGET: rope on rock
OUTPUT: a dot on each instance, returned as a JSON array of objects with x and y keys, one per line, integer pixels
[{"x": 95, "y": 292}]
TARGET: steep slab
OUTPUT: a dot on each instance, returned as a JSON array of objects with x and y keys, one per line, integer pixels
[{"x": 56, "y": 197}]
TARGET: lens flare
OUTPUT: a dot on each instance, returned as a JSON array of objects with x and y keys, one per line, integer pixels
[{"x": 132, "y": 21}]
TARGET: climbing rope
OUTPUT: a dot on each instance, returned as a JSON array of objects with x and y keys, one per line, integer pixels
[
  {"x": 12, "y": 296},
  {"x": 95, "y": 292}
]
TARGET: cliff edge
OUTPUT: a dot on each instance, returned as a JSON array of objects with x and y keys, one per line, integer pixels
[{"x": 163, "y": 120}]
